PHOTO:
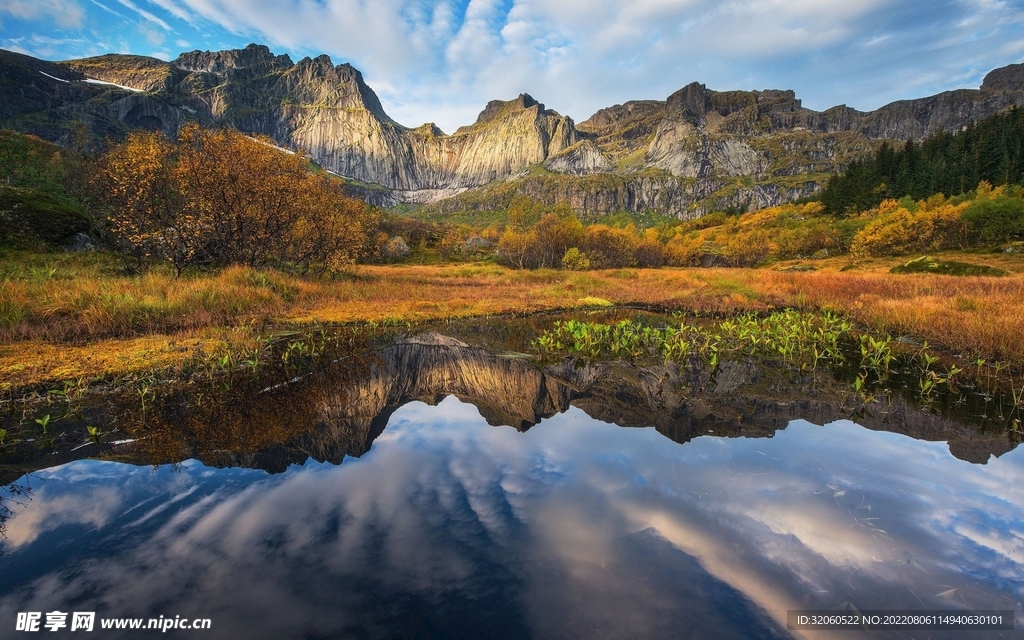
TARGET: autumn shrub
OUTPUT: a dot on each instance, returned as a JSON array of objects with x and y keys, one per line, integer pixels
[
  {"x": 750, "y": 248},
  {"x": 610, "y": 247},
  {"x": 450, "y": 244},
  {"x": 218, "y": 198},
  {"x": 415, "y": 232},
  {"x": 517, "y": 249},
  {"x": 997, "y": 216},
  {"x": 555, "y": 234},
  {"x": 650, "y": 253},
  {"x": 782, "y": 232},
  {"x": 686, "y": 249},
  {"x": 898, "y": 227},
  {"x": 575, "y": 260}
]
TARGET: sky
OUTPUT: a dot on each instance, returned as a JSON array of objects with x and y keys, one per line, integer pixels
[{"x": 442, "y": 60}]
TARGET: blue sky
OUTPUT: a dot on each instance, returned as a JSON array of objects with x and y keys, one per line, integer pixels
[{"x": 441, "y": 61}]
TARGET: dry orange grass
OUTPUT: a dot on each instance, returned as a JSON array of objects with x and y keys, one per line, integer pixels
[
  {"x": 973, "y": 316},
  {"x": 87, "y": 323},
  {"x": 30, "y": 363}
]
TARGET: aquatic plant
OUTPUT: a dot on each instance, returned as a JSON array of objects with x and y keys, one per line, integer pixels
[
  {"x": 790, "y": 335},
  {"x": 44, "y": 423},
  {"x": 876, "y": 353}
]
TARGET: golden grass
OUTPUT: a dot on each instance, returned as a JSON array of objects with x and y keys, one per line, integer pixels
[
  {"x": 69, "y": 317},
  {"x": 30, "y": 363}
]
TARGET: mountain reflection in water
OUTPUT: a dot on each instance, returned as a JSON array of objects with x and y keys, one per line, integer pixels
[{"x": 446, "y": 527}]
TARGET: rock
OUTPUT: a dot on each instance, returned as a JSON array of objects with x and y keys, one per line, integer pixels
[
  {"x": 692, "y": 101},
  {"x": 81, "y": 242},
  {"x": 820, "y": 254},
  {"x": 709, "y": 260},
  {"x": 581, "y": 159},
  {"x": 395, "y": 249},
  {"x": 476, "y": 245},
  {"x": 1009, "y": 78}
]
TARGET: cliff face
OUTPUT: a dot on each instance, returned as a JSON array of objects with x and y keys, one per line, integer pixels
[
  {"x": 695, "y": 151},
  {"x": 331, "y": 113}
]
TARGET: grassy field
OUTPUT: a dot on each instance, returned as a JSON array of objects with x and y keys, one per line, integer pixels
[{"x": 74, "y": 316}]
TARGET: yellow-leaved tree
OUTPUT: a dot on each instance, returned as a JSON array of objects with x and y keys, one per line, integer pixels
[
  {"x": 134, "y": 181},
  {"x": 218, "y": 197}
]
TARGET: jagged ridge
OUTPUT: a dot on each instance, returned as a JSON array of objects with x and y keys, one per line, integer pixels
[{"x": 696, "y": 150}]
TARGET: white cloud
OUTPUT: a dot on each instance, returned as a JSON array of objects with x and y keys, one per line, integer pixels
[
  {"x": 66, "y": 13},
  {"x": 47, "y": 514},
  {"x": 171, "y": 7},
  {"x": 145, "y": 14},
  {"x": 154, "y": 36},
  {"x": 106, "y": 8}
]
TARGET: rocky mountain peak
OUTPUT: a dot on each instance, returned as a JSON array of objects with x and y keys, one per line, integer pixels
[
  {"x": 429, "y": 129},
  {"x": 495, "y": 107},
  {"x": 611, "y": 116},
  {"x": 1008, "y": 78},
  {"x": 317, "y": 80},
  {"x": 525, "y": 101},
  {"x": 690, "y": 101},
  {"x": 220, "y": 62},
  {"x": 696, "y": 150}
]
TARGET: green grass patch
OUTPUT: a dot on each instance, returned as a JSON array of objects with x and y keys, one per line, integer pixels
[
  {"x": 926, "y": 264},
  {"x": 592, "y": 301}
]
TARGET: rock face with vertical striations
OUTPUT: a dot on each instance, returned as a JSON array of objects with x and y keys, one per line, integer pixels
[
  {"x": 331, "y": 113},
  {"x": 696, "y": 151}
]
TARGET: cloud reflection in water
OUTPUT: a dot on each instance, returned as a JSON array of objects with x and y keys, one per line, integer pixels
[{"x": 574, "y": 526}]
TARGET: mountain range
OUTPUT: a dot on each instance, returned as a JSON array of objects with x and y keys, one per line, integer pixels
[{"x": 696, "y": 151}]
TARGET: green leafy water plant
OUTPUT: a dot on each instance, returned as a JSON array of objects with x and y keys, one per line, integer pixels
[
  {"x": 44, "y": 423},
  {"x": 793, "y": 336},
  {"x": 876, "y": 354}
]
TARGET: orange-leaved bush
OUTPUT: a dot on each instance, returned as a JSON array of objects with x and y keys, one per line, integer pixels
[{"x": 218, "y": 197}]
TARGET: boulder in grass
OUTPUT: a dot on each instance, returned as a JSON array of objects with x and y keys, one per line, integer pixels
[
  {"x": 395, "y": 249},
  {"x": 476, "y": 245},
  {"x": 81, "y": 242},
  {"x": 31, "y": 215},
  {"x": 927, "y": 264}
]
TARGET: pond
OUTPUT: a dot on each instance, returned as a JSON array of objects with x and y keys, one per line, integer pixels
[{"x": 440, "y": 490}]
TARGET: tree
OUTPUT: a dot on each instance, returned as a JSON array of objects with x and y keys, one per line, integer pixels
[
  {"x": 516, "y": 249},
  {"x": 609, "y": 247},
  {"x": 555, "y": 234},
  {"x": 134, "y": 181},
  {"x": 219, "y": 197}
]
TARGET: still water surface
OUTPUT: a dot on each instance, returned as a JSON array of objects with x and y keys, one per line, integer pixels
[{"x": 449, "y": 527}]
